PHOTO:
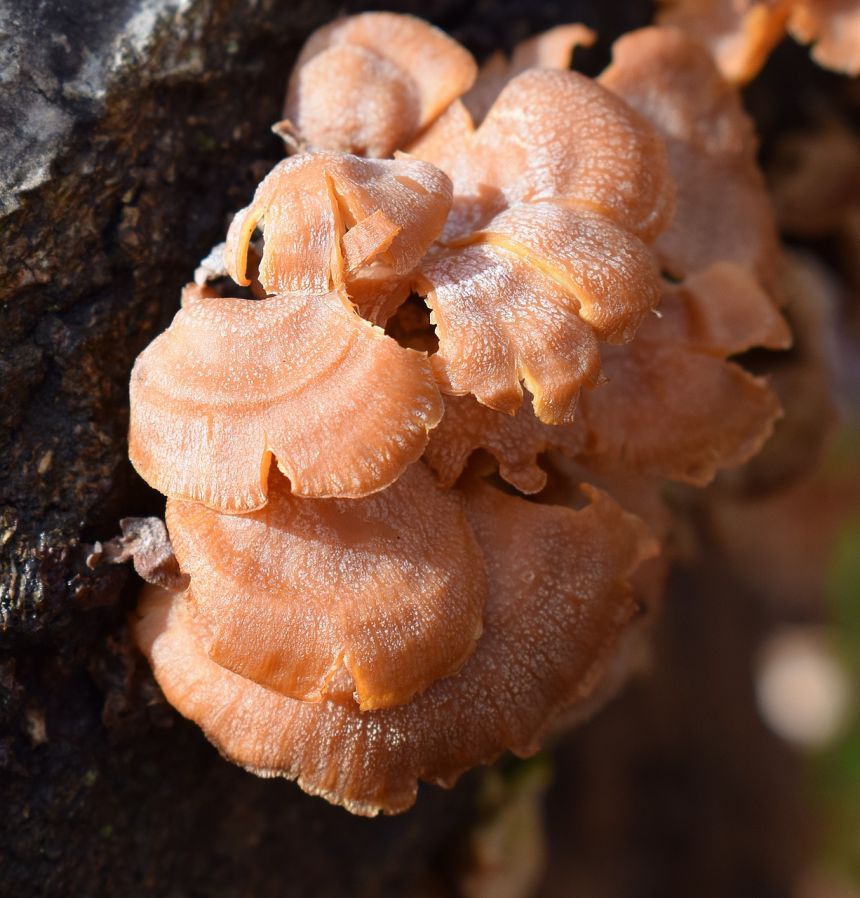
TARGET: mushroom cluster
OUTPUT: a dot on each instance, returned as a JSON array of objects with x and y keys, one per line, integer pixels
[{"x": 460, "y": 275}]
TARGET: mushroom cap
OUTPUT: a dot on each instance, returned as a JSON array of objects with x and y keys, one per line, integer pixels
[
  {"x": 381, "y": 595},
  {"x": 367, "y": 84},
  {"x": 558, "y": 601},
  {"x": 328, "y": 217},
  {"x": 515, "y": 441},
  {"x": 500, "y": 321},
  {"x": 231, "y": 382},
  {"x": 723, "y": 212},
  {"x": 673, "y": 406},
  {"x": 553, "y": 196}
]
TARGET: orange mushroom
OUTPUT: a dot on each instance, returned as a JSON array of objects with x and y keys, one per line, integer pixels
[
  {"x": 326, "y": 598},
  {"x": 543, "y": 251},
  {"x": 558, "y": 600},
  {"x": 232, "y": 382},
  {"x": 369, "y": 83}
]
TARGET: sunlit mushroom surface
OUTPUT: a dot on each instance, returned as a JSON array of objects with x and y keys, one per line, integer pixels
[{"x": 558, "y": 599}]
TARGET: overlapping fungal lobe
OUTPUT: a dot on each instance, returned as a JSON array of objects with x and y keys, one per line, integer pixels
[
  {"x": 673, "y": 406},
  {"x": 723, "y": 212},
  {"x": 558, "y": 600},
  {"x": 515, "y": 441},
  {"x": 544, "y": 252},
  {"x": 383, "y": 594},
  {"x": 232, "y": 382},
  {"x": 368, "y": 84},
  {"x": 331, "y": 220}
]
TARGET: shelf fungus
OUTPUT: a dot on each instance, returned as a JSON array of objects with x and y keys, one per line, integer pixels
[
  {"x": 326, "y": 598},
  {"x": 378, "y": 608},
  {"x": 232, "y": 382},
  {"x": 558, "y": 599}
]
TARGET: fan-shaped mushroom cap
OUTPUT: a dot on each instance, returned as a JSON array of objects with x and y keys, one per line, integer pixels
[
  {"x": 342, "y": 407},
  {"x": 673, "y": 407},
  {"x": 551, "y": 49},
  {"x": 553, "y": 195},
  {"x": 500, "y": 321},
  {"x": 723, "y": 212},
  {"x": 558, "y": 601},
  {"x": 367, "y": 84},
  {"x": 327, "y": 216},
  {"x": 515, "y": 441},
  {"x": 384, "y": 593}
]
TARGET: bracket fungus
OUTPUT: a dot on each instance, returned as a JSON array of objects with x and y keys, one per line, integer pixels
[
  {"x": 373, "y": 611},
  {"x": 558, "y": 598}
]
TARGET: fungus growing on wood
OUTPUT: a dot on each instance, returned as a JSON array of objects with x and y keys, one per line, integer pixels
[
  {"x": 323, "y": 598},
  {"x": 363, "y": 617},
  {"x": 558, "y": 600},
  {"x": 392, "y": 76},
  {"x": 232, "y": 382}
]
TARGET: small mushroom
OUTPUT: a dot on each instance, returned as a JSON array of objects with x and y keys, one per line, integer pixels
[
  {"x": 326, "y": 598},
  {"x": 558, "y": 600},
  {"x": 367, "y": 84},
  {"x": 232, "y": 382}
]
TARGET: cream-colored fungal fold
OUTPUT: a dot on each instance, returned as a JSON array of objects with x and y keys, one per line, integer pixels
[
  {"x": 558, "y": 600},
  {"x": 723, "y": 212},
  {"x": 515, "y": 441},
  {"x": 330, "y": 219},
  {"x": 544, "y": 252},
  {"x": 551, "y": 49},
  {"x": 384, "y": 594},
  {"x": 231, "y": 382},
  {"x": 673, "y": 406},
  {"x": 367, "y": 84},
  {"x": 741, "y": 33}
]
